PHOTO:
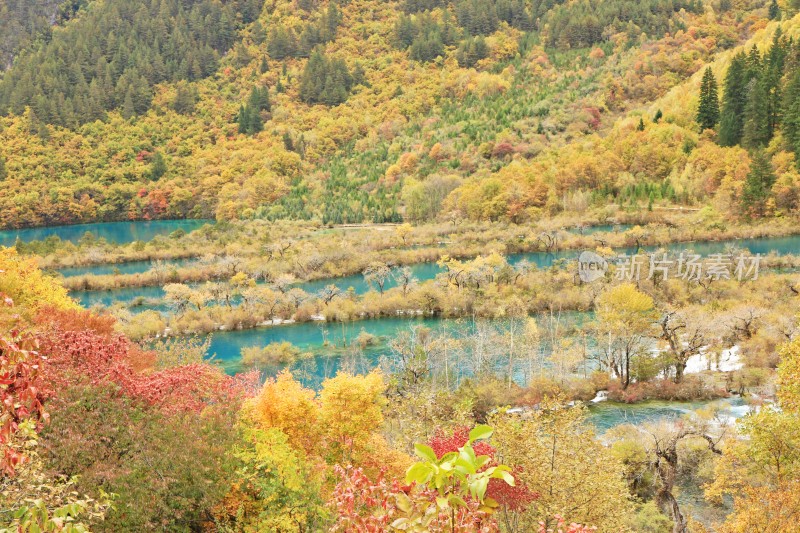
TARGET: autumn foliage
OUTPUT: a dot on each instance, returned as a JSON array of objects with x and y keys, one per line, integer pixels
[
  {"x": 340, "y": 425},
  {"x": 363, "y": 505},
  {"x": 28, "y": 288}
]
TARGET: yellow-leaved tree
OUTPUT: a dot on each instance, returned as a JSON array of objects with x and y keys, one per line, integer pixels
[
  {"x": 340, "y": 425},
  {"x": 29, "y": 288},
  {"x": 789, "y": 375},
  {"x": 625, "y": 320},
  {"x": 277, "y": 487},
  {"x": 351, "y": 414},
  {"x": 557, "y": 454},
  {"x": 286, "y": 405}
]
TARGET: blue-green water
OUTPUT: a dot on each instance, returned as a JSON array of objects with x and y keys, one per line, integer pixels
[
  {"x": 319, "y": 339},
  {"x": 606, "y": 415},
  {"x": 331, "y": 343},
  {"x": 119, "y": 232},
  {"x": 126, "y": 296},
  {"x": 328, "y": 344},
  {"x": 542, "y": 260}
]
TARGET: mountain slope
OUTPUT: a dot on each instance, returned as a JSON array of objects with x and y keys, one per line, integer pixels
[
  {"x": 492, "y": 84},
  {"x": 658, "y": 156}
]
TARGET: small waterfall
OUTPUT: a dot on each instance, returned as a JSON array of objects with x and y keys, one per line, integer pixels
[{"x": 601, "y": 396}]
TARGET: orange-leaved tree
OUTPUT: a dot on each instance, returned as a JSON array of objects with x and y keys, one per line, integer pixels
[{"x": 340, "y": 425}]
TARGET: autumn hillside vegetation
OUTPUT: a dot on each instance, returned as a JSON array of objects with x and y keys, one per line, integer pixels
[{"x": 362, "y": 110}]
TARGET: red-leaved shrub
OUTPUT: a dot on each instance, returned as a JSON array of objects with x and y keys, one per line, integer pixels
[
  {"x": 86, "y": 357},
  {"x": 366, "y": 506}
]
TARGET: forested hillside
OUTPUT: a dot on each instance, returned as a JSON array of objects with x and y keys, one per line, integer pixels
[
  {"x": 23, "y": 22},
  {"x": 113, "y": 55},
  {"x": 355, "y": 111}
]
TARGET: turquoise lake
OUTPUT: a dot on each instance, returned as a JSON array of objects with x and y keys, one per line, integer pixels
[
  {"x": 600, "y": 228},
  {"x": 321, "y": 338},
  {"x": 330, "y": 344},
  {"x": 118, "y": 232}
]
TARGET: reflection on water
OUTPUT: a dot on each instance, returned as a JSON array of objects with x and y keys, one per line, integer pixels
[{"x": 119, "y": 232}]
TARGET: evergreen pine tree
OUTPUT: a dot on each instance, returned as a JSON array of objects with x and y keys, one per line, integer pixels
[
  {"x": 128, "y": 110},
  {"x": 329, "y": 94},
  {"x": 282, "y": 43},
  {"x": 774, "y": 10},
  {"x": 791, "y": 115},
  {"x": 773, "y": 69},
  {"x": 243, "y": 119},
  {"x": 757, "y": 185},
  {"x": 158, "y": 166},
  {"x": 241, "y": 56},
  {"x": 259, "y": 99},
  {"x": 184, "y": 100},
  {"x": 731, "y": 125},
  {"x": 331, "y": 20},
  {"x": 756, "y": 116},
  {"x": 3, "y": 171},
  {"x": 264, "y": 103},
  {"x": 312, "y": 78},
  {"x": 658, "y": 116},
  {"x": 257, "y": 33},
  {"x": 753, "y": 63},
  {"x": 43, "y": 132},
  {"x": 708, "y": 110},
  {"x": 359, "y": 76},
  {"x": 325, "y": 81},
  {"x": 404, "y": 32},
  {"x": 640, "y": 126},
  {"x": 255, "y": 123}
]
